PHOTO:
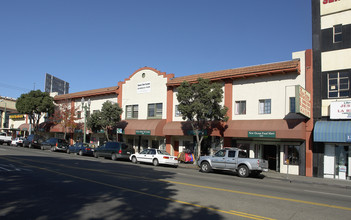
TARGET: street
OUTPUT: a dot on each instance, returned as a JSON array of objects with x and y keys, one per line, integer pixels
[{"x": 37, "y": 184}]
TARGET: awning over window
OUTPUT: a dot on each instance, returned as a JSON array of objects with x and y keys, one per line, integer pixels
[
  {"x": 332, "y": 131},
  {"x": 24, "y": 127},
  {"x": 152, "y": 127}
]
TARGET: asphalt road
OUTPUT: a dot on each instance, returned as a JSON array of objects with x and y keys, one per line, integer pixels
[{"x": 41, "y": 185}]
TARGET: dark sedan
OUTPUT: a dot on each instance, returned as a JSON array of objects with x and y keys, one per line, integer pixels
[
  {"x": 81, "y": 149},
  {"x": 55, "y": 144}
]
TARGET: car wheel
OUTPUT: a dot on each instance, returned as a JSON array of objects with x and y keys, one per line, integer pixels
[
  {"x": 205, "y": 167},
  {"x": 68, "y": 151},
  {"x": 155, "y": 162},
  {"x": 30, "y": 146},
  {"x": 8, "y": 143},
  {"x": 41, "y": 147},
  {"x": 53, "y": 149},
  {"x": 114, "y": 156},
  {"x": 96, "y": 155},
  {"x": 134, "y": 160},
  {"x": 243, "y": 171},
  {"x": 80, "y": 153}
]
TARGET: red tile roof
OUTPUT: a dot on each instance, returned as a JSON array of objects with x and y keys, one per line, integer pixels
[
  {"x": 244, "y": 72},
  {"x": 88, "y": 93}
]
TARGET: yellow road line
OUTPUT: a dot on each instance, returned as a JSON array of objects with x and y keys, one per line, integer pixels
[
  {"x": 242, "y": 214},
  {"x": 208, "y": 187}
]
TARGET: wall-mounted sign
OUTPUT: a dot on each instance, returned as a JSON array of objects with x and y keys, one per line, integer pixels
[
  {"x": 119, "y": 131},
  {"x": 143, "y": 132},
  {"x": 302, "y": 101},
  {"x": 340, "y": 110},
  {"x": 333, "y": 6},
  {"x": 261, "y": 134},
  {"x": 17, "y": 116},
  {"x": 144, "y": 87}
]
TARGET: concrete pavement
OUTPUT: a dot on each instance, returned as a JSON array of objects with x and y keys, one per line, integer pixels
[{"x": 290, "y": 178}]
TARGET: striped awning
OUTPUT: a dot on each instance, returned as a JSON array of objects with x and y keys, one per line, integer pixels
[{"x": 332, "y": 131}]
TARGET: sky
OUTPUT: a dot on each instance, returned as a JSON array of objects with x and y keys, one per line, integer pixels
[{"x": 94, "y": 44}]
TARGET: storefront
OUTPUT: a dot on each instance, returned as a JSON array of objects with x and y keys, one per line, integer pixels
[
  {"x": 283, "y": 145},
  {"x": 335, "y": 137},
  {"x": 143, "y": 134}
]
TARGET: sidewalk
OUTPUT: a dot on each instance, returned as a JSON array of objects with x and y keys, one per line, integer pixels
[{"x": 290, "y": 178}]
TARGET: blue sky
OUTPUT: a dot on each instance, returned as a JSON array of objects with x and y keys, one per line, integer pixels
[{"x": 95, "y": 43}]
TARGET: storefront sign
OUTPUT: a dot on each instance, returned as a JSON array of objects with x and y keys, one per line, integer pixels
[
  {"x": 262, "y": 134},
  {"x": 340, "y": 110},
  {"x": 302, "y": 101},
  {"x": 16, "y": 117},
  {"x": 144, "y": 87},
  {"x": 143, "y": 132},
  {"x": 119, "y": 131}
]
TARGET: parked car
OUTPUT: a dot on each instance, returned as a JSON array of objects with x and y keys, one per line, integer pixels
[
  {"x": 18, "y": 141},
  {"x": 4, "y": 138},
  {"x": 81, "y": 149},
  {"x": 33, "y": 141},
  {"x": 154, "y": 156},
  {"x": 233, "y": 159},
  {"x": 114, "y": 150},
  {"x": 55, "y": 144}
]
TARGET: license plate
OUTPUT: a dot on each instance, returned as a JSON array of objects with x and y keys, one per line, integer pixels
[{"x": 128, "y": 152}]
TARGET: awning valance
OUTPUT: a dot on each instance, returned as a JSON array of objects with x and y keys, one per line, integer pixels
[
  {"x": 332, "y": 131},
  {"x": 284, "y": 129},
  {"x": 137, "y": 127}
]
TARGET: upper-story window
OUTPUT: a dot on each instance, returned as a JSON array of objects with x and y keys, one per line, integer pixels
[
  {"x": 337, "y": 33},
  {"x": 292, "y": 104},
  {"x": 177, "y": 112},
  {"x": 240, "y": 107},
  {"x": 264, "y": 106},
  {"x": 132, "y": 111},
  {"x": 338, "y": 85},
  {"x": 154, "y": 110}
]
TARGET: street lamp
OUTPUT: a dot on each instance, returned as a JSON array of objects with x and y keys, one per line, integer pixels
[
  {"x": 85, "y": 106},
  {"x": 4, "y": 122}
]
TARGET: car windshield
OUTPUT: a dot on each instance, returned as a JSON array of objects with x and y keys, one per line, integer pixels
[{"x": 162, "y": 152}]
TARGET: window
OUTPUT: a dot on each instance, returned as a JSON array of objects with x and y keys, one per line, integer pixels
[
  {"x": 292, "y": 154},
  {"x": 154, "y": 110},
  {"x": 220, "y": 153},
  {"x": 292, "y": 105},
  {"x": 240, "y": 107},
  {"x": 337, "y": 33},
  {"x": 132, "y": 111},
  {"x": 265, "y": 106},
  {"x": 338, "y": 85},
  {"x": 231, "y": 153},
  {"x": 177, "y": 112}
]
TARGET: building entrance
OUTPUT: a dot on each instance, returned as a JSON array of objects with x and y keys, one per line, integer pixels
[{"x": 270, "y": 154}]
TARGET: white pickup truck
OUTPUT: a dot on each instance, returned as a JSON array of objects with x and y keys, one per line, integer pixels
[
  {"x": 233, "y": 159},
  {"x": 4, "y": 138}
]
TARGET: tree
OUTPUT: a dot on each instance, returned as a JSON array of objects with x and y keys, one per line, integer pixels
[
  {"x": 105, "y": 119},
  {"x": 200, "y": 104},
  {"x": 65, "y": 114},
  {"x": 35, "y": 104}
]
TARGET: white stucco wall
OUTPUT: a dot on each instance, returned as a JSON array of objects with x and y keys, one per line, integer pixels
[
  {"x": 156, "y": 94},
  {"x": 278, "y": 88},
  {"x": 95, "y": 103}
]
